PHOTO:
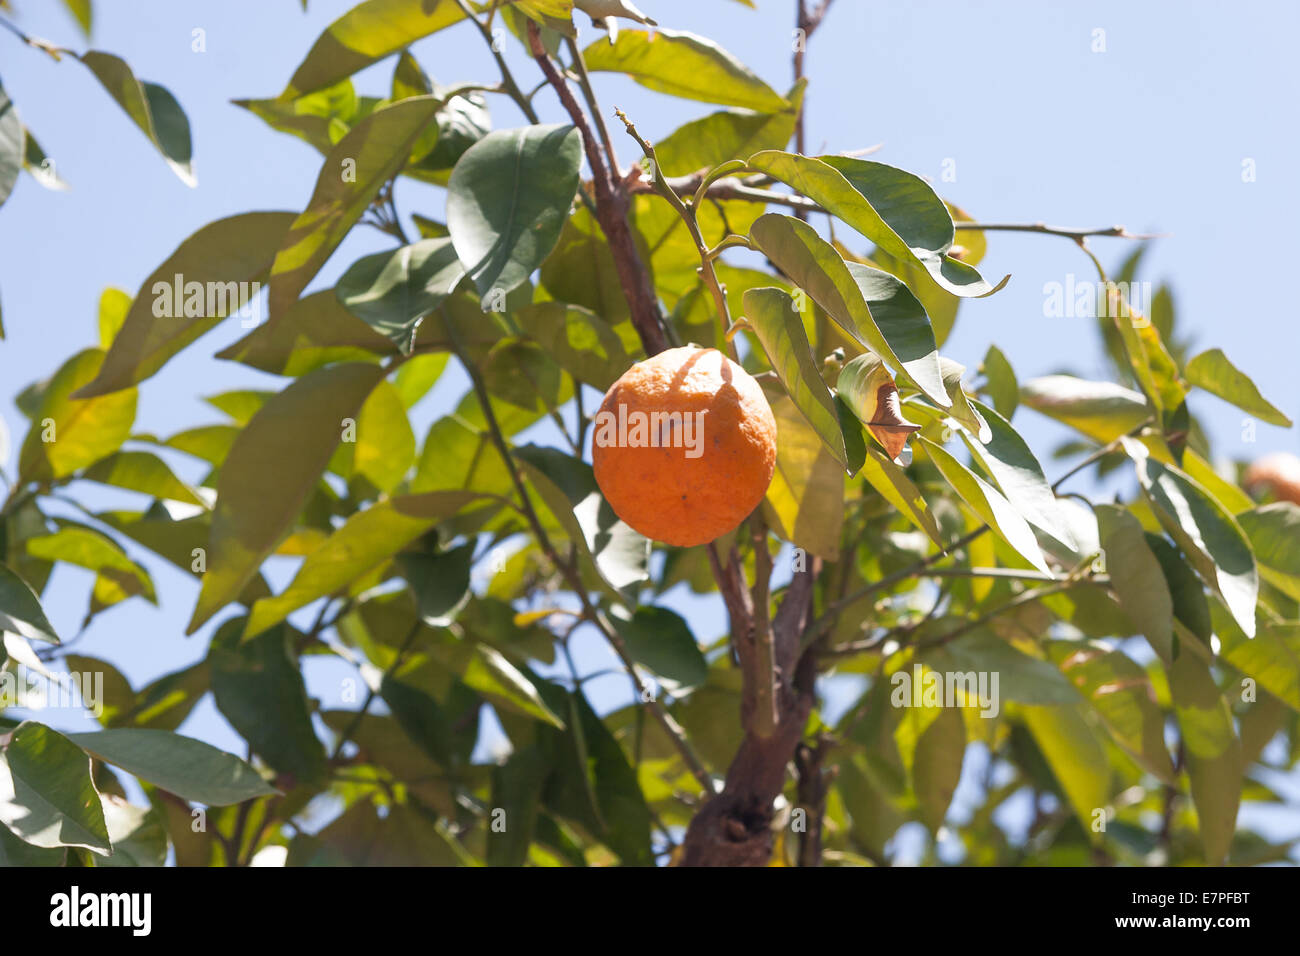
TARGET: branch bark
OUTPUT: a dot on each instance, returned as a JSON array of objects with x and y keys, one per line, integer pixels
[
  {"x": 612, "y": 204},
  {"x": 735, "y": 827}
]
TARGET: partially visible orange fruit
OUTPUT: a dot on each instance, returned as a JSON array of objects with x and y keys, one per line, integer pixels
[
  {"x": 684, "y": 446},
  {"x": 1278, "y": 473}
]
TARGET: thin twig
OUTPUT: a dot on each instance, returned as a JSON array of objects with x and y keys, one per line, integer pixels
[
  {"x": 36, "y": 43},
  {"x": 734, "y": 188},
  {"x": 374, "y": 691},
  {"x": 507, "y": 78},
  {"x": 1109, "y": 448},
  {"x": 914, "y": 570},
  {"x": 1116, "y": 232}
]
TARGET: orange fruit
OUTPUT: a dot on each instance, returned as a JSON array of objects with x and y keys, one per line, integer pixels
[
  {"x": 684, "y": 446},
  {"x": 1278, "y": 473}
]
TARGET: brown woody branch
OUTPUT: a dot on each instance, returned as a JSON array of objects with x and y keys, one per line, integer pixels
[
  {"x": 735, "y": 827},
  {"x": 612, "y": 206}
]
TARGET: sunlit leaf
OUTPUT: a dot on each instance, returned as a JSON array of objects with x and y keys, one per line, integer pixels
[
  {"x": 684, "y": 65},
  {"x": 272, "y": 468},
  {"x": 507, "y": 200}
]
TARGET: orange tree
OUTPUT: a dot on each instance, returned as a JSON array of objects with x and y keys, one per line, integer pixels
[{"x": 1125, "y": 663}]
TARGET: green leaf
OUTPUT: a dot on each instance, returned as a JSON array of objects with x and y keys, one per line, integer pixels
[
  {"x": 360, "y": 837},
  {"x": 419, "y": 374},
  {"x": 14, "y": 852},
  {"x": 462, "y": 122},
  {"x": 392, "y": 292},
  {"x": 165, "y": 703},
  {"x": 316, "y": 331},
  {"x": 144, "y": 472},
  {"x": 46, "y": 795},
  {"x": 40, "y": 166},
  {"x": 568, "y": 488},
  {"x": 595, "y": 785},
  {"x": 1274, "y": 532},
  {"x": 583, "y": 344},
  {"x": 151, "y": 107},
  {"x": 989, "y": 503},
  {"x": 371, "y": 153},
  {"x": 90, "y": 549},
  {"x": 289, "y": 442},
  {"x": 240, "y": 404},
  {"x": 1076, "y": 755},
  {"x": 1190, "y": 606},
  {"x": 20, "y": 609},
  {"x": 1101, "y": 410},
  {"x": 365, "y": 34},
  {"x": 507, "y": 201},
  {"x": 895, "y": 209},
  {"x": 720, "y": 137},
  {"x": 1011, "y": 463},
  {"x": 409, "y": 78},
  {"x": 1212, "y": 371},
  {"x": 68, "y": 432},
  {"x": 385, "y": 445},
  {"x": 1002, "y": 386},
  {"x": 189, "y": 768},
  {"x": 440, "y": 582},
  {"x": 1208, "y": 535},
  {"x": 114, "y": 304},
  {"x": 457, "y": 456},
  {"x": 259, "y": 689},
  {"x": 962, "y": 410},
  {"x": 872, "y": 306},
  {"x": 581, "y": 270},
  {"x": 1020, "y": 677},
  {"x": 138, "y": 835},
  {"x": 686, "y": 66},
  {"x": 365, "y": 541},
  {"x": 661, "y": 641},
  {"x": 421, "y": 718},
  {"x": 220, "y": 268},
  {"x": 806, "y": 496},
  {"x": 891, "y": 482},
  {"x": 1271, "y": 658},
  {"x": 1137, "y": 577},
  {"x": 12, "y": 146},
  {"x": 516, "y": 795},
  {"x": 81, "y": 12},
  {"x": 1121, "y": 693},
  {"x": 1212, "y": 752},
  {"x": 488, "y": 671},
  {"x": 779, "y": 327},
  {"x": 319, "y": 118},
  {"x": 936, "y": 765}
]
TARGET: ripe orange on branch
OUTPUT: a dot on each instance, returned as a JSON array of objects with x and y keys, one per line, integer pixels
[{"x": 684, "y": 446}]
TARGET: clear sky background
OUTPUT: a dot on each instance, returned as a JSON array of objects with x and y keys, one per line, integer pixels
[{"x": 1151, "y": 133}]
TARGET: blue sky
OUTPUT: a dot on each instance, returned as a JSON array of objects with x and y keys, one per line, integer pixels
[{"x": 1012, "y": 95}]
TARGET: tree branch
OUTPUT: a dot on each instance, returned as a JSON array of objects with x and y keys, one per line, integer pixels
[
  {"x": 510, "y": 87},
  {"x": 732, "y": 187},
  {"x": 611, "y": 211},
  {"x": 584, "y": 82}
]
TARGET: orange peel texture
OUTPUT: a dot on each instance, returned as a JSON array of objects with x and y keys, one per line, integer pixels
[{"x": 672, "y": 473}]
